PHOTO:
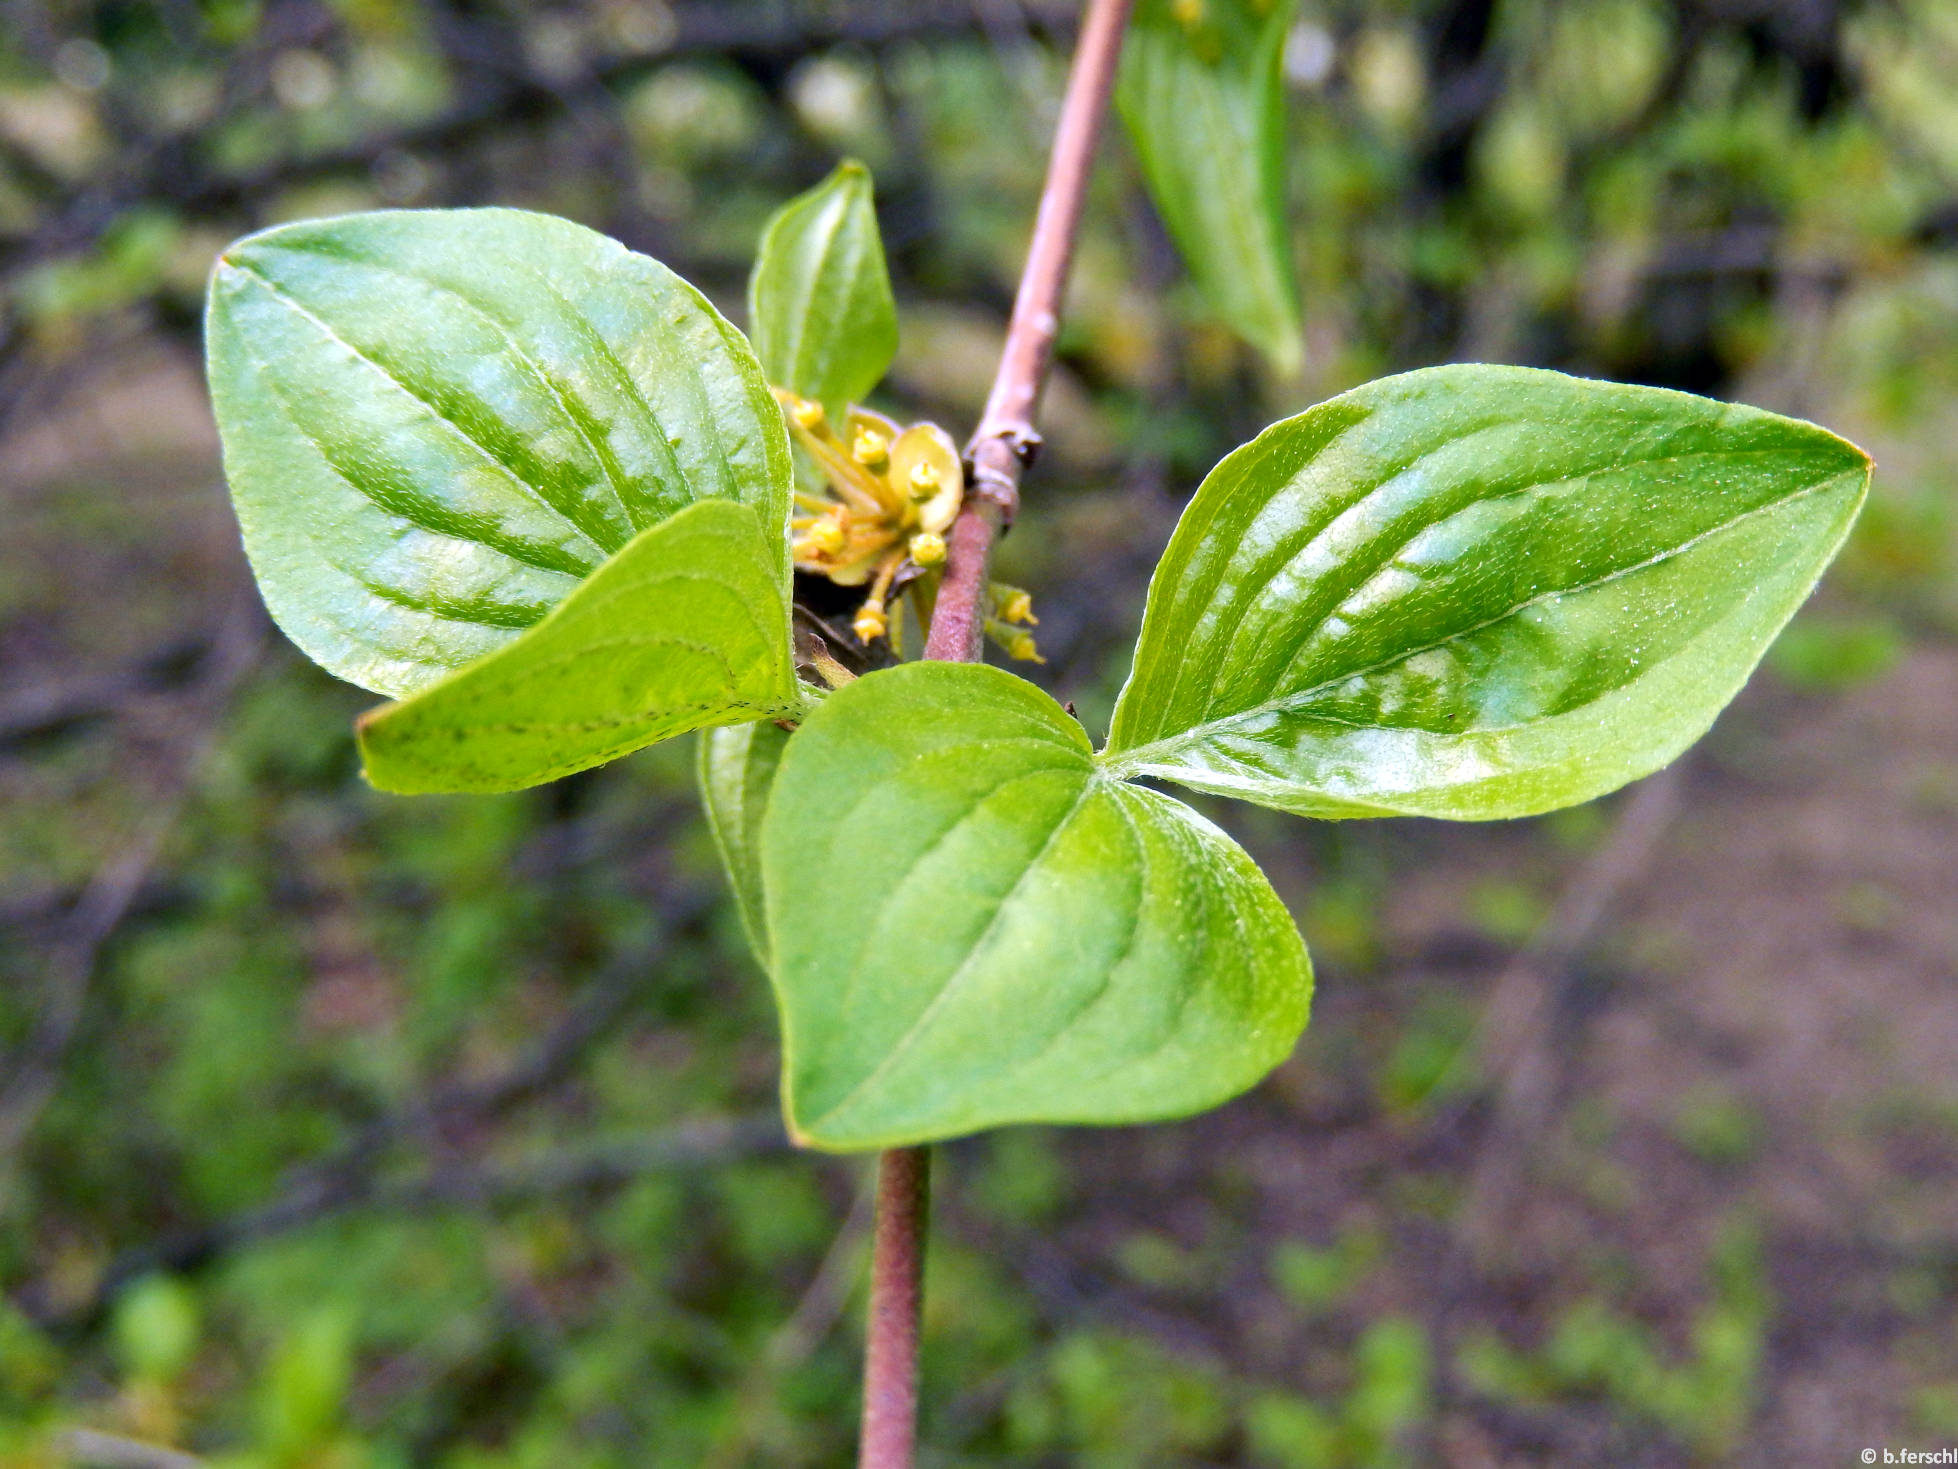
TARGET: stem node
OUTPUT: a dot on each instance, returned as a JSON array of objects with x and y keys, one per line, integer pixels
[{"x": 1000, "y": 450}]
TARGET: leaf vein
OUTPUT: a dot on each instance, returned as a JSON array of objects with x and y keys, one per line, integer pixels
[{"x": 1132, "y": 758}]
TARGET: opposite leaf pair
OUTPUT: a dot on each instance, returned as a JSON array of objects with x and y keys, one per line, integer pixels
[
  {"x": 534, "y": 486},
  {"x": 1467, "y": 592}
]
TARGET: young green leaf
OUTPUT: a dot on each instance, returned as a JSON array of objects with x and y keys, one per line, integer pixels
[
  {"x": 686, "y": 627},
  {"x": 972, "y": 926},
  {"x": 1202, "y": 92},
  {"x": 819, "y": 298},
  {"x": 737, "y": 769},
  {"x": 437, "y": 423},
  {"x": 1475, "y": 592}
]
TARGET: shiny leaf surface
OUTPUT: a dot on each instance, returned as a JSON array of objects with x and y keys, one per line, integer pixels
[
  {"x": 437, "y": 423},
  {"x": 1475, "y": 592},
  {"x": 819, "y": 299},
  {"x": 685, "y": 628},
  {"x": 1203, "y": 96},
  {"x": 972, "y": 926}
]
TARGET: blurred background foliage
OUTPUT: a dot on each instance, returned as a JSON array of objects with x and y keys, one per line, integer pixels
[{"x": 341, "y": 1131}]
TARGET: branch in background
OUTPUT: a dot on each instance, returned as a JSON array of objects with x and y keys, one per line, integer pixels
[
  {"x": 329, "y": 1195},
  {"x": 1514, "y": 1041},
  {"x": 107, "y": 899},
  {"x": 88, "y": 1448},
  {"x": 795, "y": 1339},
  {"x": 48, "y": 708},
  {"x": 352, "y": 1177},
  {"x": 494, "y": 97},
  {"x": 709, "y": 1141}
]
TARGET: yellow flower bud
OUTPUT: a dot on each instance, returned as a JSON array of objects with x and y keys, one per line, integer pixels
[
  {"x": 870, "y": 449},
  {"x": 871, "y": 623},
  {"x": 828, "y": 534},
  {"x": 807, "y": 413},
  {"x": 924, "y": 480},
  {"x": 1017, "y": 606},
  {"x": 928, "y": 548},
  {"x": 1017, "y": 644}
]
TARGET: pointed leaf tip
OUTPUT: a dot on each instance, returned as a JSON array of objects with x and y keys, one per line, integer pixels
[{"x": 1475, "y": 592}]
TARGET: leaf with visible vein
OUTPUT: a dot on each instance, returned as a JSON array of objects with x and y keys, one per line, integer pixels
[
  {"x": 1017, "y": 938},
  {"x": 819, "y": 298},
  {"x": 1475, "y": 592},
  {"x": 437, "y": 423},
  {"x": 1202, "y": 93},
  {"x": 685, "y": 628}
]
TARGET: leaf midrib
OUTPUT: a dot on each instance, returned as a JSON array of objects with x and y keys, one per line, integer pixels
[
  {"x": 325, "y": 328},
  {"x": 812, "y": 361},
  {"x": 610, "y": 468},
  {"x": 1090, "y": 784},
  {"x": 1383, "y": 555},
  {"x": 1123, "y": 763}
]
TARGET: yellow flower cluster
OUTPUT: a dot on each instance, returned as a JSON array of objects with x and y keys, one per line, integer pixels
[{"x": 891, "y": 494}]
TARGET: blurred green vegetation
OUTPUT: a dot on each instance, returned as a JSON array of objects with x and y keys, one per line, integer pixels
[
  {"x": 438, "y": 1132},
  {"x": 1704, "y": 1396}
]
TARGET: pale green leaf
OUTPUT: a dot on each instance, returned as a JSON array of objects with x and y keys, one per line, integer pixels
[
  {"x": 687, "y": 627},
  {"x": 437, "y": 423},
  {"x": 970, "y": 925},
  {"x": 1475, "y": 592},
  {"x": 737, "y": 769},
  {"x": 819, "y": 298},
  {"x": 1202, "y": 92}
]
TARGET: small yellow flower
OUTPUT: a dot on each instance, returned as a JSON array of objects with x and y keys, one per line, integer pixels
[
  {"x": 889, "y": 493},
  {"x": 1013, "y": 605},
  {"x": 871, "y": 623},
  {"x": 827, "y": 535},
  {"x": 870, "y": 448},
  {"x": 1015, "y": 643}
]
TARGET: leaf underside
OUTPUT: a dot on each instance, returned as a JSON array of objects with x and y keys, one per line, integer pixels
[
  {"x": 736, "y": 769},
  {"x": 1204, "y": 104},
  {"x": 819, "y": 298},
  {"x": 970, "y": 926},
  {"x": 436, "y": 423},
  {"x": 686, "y": 627},
  {"x": 1475, "y": 592}
]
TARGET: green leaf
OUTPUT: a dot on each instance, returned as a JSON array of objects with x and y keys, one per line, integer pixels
[
  {"x": 437, "y": 423},
  {"x": 1204, "y": 100},
  {"x": 686, "y": 627},
  {"x": 1475, "y": 592},
  {"x": 737, "y": 769},
  {"x": 972, "y": 926},
  {"x": 819, "y": 299}
]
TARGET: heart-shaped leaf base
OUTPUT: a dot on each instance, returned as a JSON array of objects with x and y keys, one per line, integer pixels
[{"x": 970, "y": 925}]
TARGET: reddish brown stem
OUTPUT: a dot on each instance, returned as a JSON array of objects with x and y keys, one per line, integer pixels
[
  {"x": 1005, "y": 439},
  {"x": 890, "y": 1367},
  {"x": 1000, "y": 449}
]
